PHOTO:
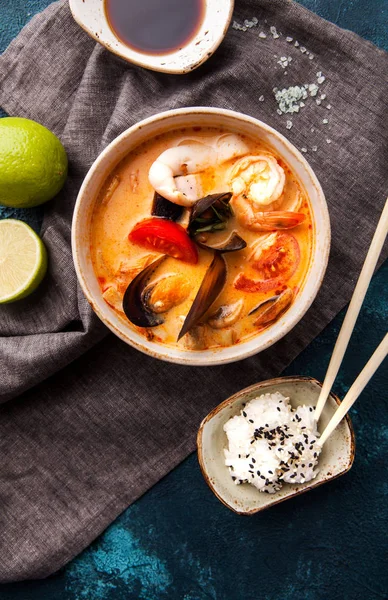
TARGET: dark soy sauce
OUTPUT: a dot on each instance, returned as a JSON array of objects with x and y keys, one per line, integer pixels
[{"x": 155, "y": 26}]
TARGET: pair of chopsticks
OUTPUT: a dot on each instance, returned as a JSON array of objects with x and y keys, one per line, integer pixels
[{"x": 346, "y": 332}]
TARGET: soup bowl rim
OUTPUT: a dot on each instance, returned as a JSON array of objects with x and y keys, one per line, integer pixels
[{"x": 85, "y": 272}]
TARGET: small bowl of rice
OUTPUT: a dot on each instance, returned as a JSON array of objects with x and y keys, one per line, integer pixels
[{"x": 261, "y": 446}]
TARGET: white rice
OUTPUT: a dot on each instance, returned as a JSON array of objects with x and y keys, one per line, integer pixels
[{"x": 270, "y": 443}]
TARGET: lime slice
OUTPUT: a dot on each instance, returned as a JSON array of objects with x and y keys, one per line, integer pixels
[{"x": 23, "y": 260}]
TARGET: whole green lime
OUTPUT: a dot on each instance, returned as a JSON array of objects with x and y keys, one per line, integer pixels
[{"x": 33, "y": 163}]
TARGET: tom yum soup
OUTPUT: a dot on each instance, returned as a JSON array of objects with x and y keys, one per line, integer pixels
[{"x": 201, "y": 238}]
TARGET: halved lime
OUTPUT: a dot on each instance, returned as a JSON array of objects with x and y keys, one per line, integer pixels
[{"x": 23, "y": 260}]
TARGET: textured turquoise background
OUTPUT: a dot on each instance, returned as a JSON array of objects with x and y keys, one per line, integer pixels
[{"x": 179, "y": 543}]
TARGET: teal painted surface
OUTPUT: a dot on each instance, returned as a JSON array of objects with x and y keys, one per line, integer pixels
[{"x": 179, "y": 543}]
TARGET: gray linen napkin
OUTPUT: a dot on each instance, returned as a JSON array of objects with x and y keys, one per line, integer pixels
[{"x": 81, "y": 446}]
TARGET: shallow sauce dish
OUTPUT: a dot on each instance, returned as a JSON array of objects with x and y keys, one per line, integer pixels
[
  {"x": 336, "y": 458},
  {"x": 91, "y": 16},
  {"x": 87, "y": 208}
]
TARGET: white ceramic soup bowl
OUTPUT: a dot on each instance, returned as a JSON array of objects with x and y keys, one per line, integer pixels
[
  {"x": 158, "y": 124},
  {"x": 91, "y": 16}
]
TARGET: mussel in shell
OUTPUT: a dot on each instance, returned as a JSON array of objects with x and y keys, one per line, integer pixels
[
  {"x": 210, "y": 214},
  {"x": 268, "y": 311},
  {"x": 166, "y": 293},
  {"x": 226, "y": 315},
  {"x": 134, "y": 302},
  {"x": 211, "y": 286},
  {"x": 234, "y": 243}
]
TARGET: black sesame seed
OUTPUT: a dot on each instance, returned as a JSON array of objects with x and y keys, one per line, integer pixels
[
  {"x": 244, "y": 413},
  {"x": 251, "y": 466},
  {"x": 250, "y": 420},
  {"x": 311, "y": 409},
  {"x": 311, "y": 464},
  {"x": 315, "y": 455},
  {"x": 258, "y": 472},
  {"x": 270, "y": 472},
  {"x": 262, "y": 477},
  {"x": 253, "y": 460},
  {"x": 278, "y": 408}
]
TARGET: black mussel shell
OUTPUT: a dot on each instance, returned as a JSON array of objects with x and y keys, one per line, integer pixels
[
  {"x": 161, "y": 207},
  {"x": 211, "y": 286},
  {"x": 204, "y": 203},
  {"x": 135, "y": 300},
  {"x": 232, "y": 244}
]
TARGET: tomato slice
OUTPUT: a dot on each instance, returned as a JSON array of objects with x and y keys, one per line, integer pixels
[
  {"x": 276, "y": 265},
  {"x": 166, "y": 237}
]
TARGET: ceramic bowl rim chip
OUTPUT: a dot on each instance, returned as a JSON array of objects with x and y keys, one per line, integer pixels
[
  {"x": 219, "y": 484},
  {"x": 92, "y": 18},
  {"x": 206, "y": 117}
]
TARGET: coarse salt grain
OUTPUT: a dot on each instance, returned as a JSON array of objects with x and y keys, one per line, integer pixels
[
  {"x": 288, "y": 124},
  {"x": 325, "y": 121},
  {"x": 262, "y": 35},
  {"x": 261, "y": 99},
  {"x": 289, "y": 39},
  {"x": 275, "y": 34},
  {"x": 288, "y": 98},
  {"x": 314, "y": 148},
  {"x": 304, "y": 149}
]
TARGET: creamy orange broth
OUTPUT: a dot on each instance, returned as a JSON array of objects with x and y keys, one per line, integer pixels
[{"x": 116, "y": 260}]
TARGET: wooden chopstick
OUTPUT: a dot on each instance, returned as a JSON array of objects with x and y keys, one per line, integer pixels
[
  {"x": 371, "y": 366},
  {"x": 354, "y": 308}
]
